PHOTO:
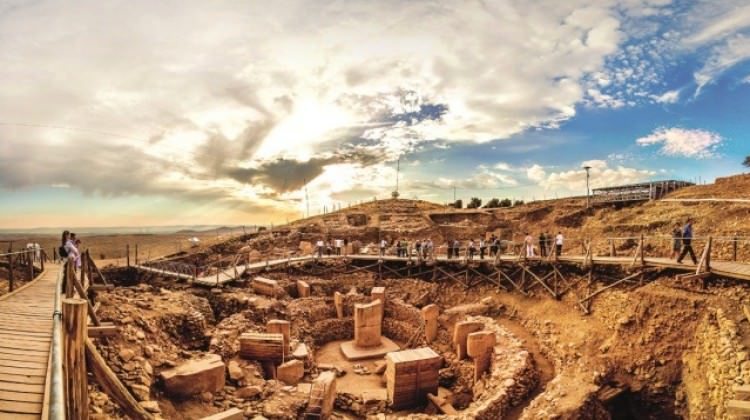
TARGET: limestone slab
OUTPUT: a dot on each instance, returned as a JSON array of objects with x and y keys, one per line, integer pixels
[
  {"x": 352, "y": 352},
  {"x": 206, "y": 374}
]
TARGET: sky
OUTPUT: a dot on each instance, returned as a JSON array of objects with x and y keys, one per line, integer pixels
[{"x": 135, "y": 113}]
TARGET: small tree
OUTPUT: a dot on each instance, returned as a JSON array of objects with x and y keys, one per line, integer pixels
[
  {"x": 458, "y": 204},
  {"x": 474, "y": 203},
  {"x": 493, "y": 203},
  {"x": 505, "y": 202},
  {"x": 747, "y": 161},
  {"x": 517, "y": 203}
]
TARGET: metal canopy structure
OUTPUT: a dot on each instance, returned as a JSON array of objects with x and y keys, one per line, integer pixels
[{"x": 652, "y": 190}]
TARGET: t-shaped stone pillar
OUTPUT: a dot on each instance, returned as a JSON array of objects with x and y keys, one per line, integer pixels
[
  {"x": 368, "y": 324},
  {"x": 277, "y": 326},
  {"x": 322, "y": 397},
  {"x": 378, "y": 293},
  {"x": 430, "y": 317},
  {"x": 303, "y": 288},
  {"x": 460, "y": 332},
  {"x": 338, "y": 302},
  {"x": 480, "y": 346}
]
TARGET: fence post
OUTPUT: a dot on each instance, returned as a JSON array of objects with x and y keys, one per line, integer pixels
[
  {"x": 30, "y": 261},
  {"x": 127, "y": 254},
  {"x": 11, "y": 277},
  {"x": 136, "y": 254},
  {"x": 643, "y": 245},
  {"x": 734, "y": 248},
  {"x": 70, "y": 277},
  {"x": 75, "y": 335},
  {"x": 42, "y": 257}
]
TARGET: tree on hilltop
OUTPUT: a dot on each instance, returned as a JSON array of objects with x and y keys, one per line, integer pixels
[
  {"x": 474, "y": 203},
  {"x": 747, "y": 161}
]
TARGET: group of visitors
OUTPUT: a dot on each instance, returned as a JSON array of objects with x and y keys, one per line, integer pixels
[
  {"x": 330, "y": 247},
  {"x": 682, "y": 242},
  {"x": 422, "y": 248},
  {"x": 70, "y": 248},
  {"x": 545, "y": 244}
]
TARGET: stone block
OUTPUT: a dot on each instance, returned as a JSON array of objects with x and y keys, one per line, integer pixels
[
  {"x": 430, "y": 317},
  {"x": 206, "y": 374},
  {"x": 462, "y": 330},
  {"x": 264, "y": 347},
  {"x": 291, "y": 372},
  {"x": 378, "y": 293},
  {"x": 277, "y": 326},
  {"x": 368, "y": 324},
  {"x": 264, "y": 286},
  {"x": 410, "y": 376},
  {"x": 479, "y": 346},
  {"x": 231, "y": 414},
  {"x": 322, "y": 397},
  {"x": 303, "y": 289}
]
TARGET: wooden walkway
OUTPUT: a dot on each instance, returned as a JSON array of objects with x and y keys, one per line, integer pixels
[
  {"x": 728, "y": 269},
  {"x": 25, "y": 339}
]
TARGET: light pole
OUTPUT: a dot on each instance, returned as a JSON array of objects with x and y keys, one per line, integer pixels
[{"x": 588, "y": 175}]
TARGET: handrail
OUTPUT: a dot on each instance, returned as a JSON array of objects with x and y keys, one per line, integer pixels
[{"x": 57, "y": 392}]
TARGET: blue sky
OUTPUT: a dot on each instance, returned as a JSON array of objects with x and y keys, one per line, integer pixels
[{"x": 134, "y": 113}]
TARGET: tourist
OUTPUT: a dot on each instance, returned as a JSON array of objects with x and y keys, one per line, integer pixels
[
  {"x": 456, "y": 248},
  {"x": 338, "y": 243},
  {"x": 329, "y": 248},
  {"x": 470, "y": 249},
  {"x": 529, "y": 242},
  {"x": 319, "y": 247},
  {"x": 676, "y": 241},
  {"x": 494, "y": 245},
  {"x": 383, "y": 245},
  {"x": 418, "y": 248},
  {"x": 71, "y": 251},
  {"x": 558, "y": 244},
  {"x": 78, "y": 259},
  {"x": 61, "y": 251},
  {"x": 687, "y": 239},
  {"x": 482, "y": 248},
  {"x": 428, "y": 248},
  {"x": 542, "y": 245},
  {"x": 449, "y": 248}
]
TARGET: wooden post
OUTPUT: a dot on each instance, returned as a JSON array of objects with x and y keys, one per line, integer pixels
[
  {"x": 84, "y": 272},
  {"x": 612, "y": 252},
  {"x": 54, "y": 253},
  {"x": 42, "y": 257},
  {"x": 136, "y": 254},
  {"x": 127, "y": 254},
  {"x": 90, "y": 266},
  {"x": 708, "y": 254},
  {"x": 734, "y": 248},
  {"x": 30, "y": 261},
  {"x": 75, "y": 336},
  {"x": 643, "y": 261},
  {"x": 70, "y": 277},
  {"x": 11, "y": 277}
]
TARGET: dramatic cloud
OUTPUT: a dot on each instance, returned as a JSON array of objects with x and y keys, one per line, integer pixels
[
  {"x": 682, "y": 142},
  {"x": 574, "y": 180}
]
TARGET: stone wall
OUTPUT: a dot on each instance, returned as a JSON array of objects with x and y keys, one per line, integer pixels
[
  {"x": 512, "y": 377},
  {"x": 718, "y": 361},
  {"x": 402, "y": 321}
]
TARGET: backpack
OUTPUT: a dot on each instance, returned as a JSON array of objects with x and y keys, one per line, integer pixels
[{"x": 63, "y": 252}]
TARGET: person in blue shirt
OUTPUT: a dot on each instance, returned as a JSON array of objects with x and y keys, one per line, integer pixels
[{"x": 687, "y": 239}]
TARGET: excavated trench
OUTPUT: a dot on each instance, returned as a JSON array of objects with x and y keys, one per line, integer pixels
[{"x": 629, "y": 359}]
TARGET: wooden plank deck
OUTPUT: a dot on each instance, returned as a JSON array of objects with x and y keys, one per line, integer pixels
[
  {"x": 729, "y": 269},
  {"x": 25, "y": 338}
]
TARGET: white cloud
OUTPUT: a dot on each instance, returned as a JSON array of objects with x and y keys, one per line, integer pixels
[
  {"x": 536, "y": 173},
  {"x": 601, "y": 175},
  {"x": 724, "y": 57},
  {"x": 683, "y": 142},
  {"x": 669, "y": 97}
]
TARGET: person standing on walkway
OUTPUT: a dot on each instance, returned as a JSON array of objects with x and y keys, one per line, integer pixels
[
  {"x": 449, "y": 249},
  {"x": 558, "y": 243},
  {"x": 493, "y": 245},
  {"x": 687, "y": 240},
  {"x": 383, "y": 244},
  {"x": 482, "y": 248},
  {"x": 71, "y": 250},
  {"x": 471, "y": 249},
  {"x": 529, "y": 242},
  {"x": 676, "y": 241},
  {"x": 542, "y": 245}
]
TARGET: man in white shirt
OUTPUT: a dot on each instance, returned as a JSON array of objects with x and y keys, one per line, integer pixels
[
  {"x": 338, "y": 243},
  {"x": 383, "y": 244},
  {"x": 558, "y": 244}
]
